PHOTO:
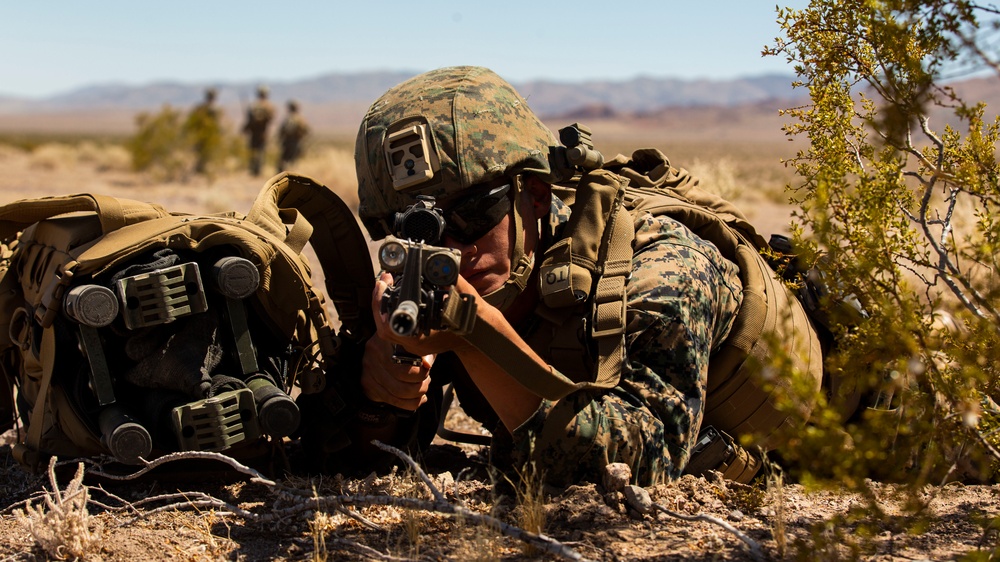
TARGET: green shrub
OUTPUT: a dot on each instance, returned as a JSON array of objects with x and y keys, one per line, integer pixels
[
  {"x": 159, "y": 145},
  {"x": 899, "y": 192}
]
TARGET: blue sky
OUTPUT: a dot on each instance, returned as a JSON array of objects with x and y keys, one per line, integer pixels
[{"x": 54, "y": 46}]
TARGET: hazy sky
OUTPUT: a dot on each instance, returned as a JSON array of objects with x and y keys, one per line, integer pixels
[{"x": 52, "y": 46}]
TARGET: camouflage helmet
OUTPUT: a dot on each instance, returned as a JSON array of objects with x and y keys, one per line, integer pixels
[{"x": 472, "y": 124}]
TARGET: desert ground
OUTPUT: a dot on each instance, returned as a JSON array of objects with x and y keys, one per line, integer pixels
[{"x": 458, "y": 512}]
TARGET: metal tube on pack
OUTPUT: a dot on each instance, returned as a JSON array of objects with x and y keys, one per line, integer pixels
[
  {"x": 235, "y": 277},
  {"x": 91, "y": 305},
  {"x": 125, "y": 437},
  {"x": 277, "y": 414}
]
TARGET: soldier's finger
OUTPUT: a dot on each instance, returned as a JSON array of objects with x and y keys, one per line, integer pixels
[
  {"x": 410, "y": 374},
  {"x": 407, "y": 396}
]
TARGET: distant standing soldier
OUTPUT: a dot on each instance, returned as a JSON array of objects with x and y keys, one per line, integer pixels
[
  {"x": 291, "y": 134},
  {"x": 204, "y": 131},
  {"x": 259, "y": 116}
]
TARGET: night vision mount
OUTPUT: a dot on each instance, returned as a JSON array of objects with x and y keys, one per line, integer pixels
[{"x": 577, "y": 152}]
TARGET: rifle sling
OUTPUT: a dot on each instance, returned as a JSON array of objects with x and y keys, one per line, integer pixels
[{"x": 545, "y": 382}]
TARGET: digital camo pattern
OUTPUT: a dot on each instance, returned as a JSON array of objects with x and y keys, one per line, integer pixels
[
  {"x": 683, "y": 297},
  {"x": 481, "y": 127}
]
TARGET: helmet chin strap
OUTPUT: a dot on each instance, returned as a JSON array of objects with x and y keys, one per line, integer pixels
[{"x": 521, "y": 265}]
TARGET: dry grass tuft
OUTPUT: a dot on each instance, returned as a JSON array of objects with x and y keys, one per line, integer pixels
[
  {"x": 54, "y": 156},
  {"x": 531, "y": 504},
  {"x": 104, "y": 157},
  {"x": 776, "y": 495},
  {"x": 319, "y": 525},
  {"x": 64, "y": 527},
  {"x": 9, "y": 151}
]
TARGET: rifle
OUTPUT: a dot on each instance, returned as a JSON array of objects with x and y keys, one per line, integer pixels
[{"x": 423, "y": 296}]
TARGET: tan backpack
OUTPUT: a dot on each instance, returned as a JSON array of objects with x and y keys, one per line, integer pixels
[{"x": 130, "y": 331}]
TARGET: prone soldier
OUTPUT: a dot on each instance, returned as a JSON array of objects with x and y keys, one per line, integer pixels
[{"x": 601, "y": 326}]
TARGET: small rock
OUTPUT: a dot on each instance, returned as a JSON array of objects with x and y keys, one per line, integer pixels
[
  {"x": 714, "y": 477},
  {"x": 736, "y": 515},
  {"x": 445, "y": 482},
  {"x": 616, "y": 476},
  {"x": 638, "y": 499}
]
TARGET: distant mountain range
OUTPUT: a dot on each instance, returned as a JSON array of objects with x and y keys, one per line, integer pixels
[
  {"x": 642, "y": 94},
  {"x": 747, "y": 109}
]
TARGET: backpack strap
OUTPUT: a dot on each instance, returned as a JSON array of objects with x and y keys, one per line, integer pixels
[
  {"x": 591, "y": 263},
  {"x": 29, "y": 452},
  {"x": 112, "y": 212},
  {"x": 319, "y": 216}
]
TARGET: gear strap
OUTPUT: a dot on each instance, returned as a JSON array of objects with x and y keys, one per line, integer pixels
[
  {"x": 543, "y": 381},
  {"x": 335, "y": 236},
  {"x": 594, "y": 258},
  {"x": 112, "y": 212},
  {"x": 29, "y": 453}
]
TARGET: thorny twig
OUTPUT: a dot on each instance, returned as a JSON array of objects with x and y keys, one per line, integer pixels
[
  {"x": 638, "y": 499},
  {"x": 539, "y": 541},
  {"x": 302, "y": 504}
]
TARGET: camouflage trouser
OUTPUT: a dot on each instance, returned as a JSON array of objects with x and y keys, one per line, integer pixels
[{"x": 683, "y": 297}]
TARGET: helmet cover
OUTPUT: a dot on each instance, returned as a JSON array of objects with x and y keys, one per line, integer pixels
[{"x": 466, "y": 126}]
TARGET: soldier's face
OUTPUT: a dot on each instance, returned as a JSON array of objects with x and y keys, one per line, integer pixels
[{"x": 486, "y": 263}]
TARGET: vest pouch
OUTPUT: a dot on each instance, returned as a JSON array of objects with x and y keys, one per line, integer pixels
[{"x": 563, "y": 283}]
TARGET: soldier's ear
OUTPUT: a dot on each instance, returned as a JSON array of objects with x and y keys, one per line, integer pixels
[{"x": 540, "y": 193}]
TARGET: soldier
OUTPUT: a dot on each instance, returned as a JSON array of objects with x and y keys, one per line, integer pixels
[
  {"x": 486, "y": 158},
  {"x": 259, "y": 116},
  {"x": 291, "y": 134},
  {"x": 202, "y": 127}
]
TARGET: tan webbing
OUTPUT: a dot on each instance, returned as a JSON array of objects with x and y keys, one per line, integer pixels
[
  {"x": 337, "y": 240},
  {"x": 113, "y": 213},
  {"x": 609, "y": 299},
  {"x": 547, "y": 383},
  {"x": 28, "y": 453}
]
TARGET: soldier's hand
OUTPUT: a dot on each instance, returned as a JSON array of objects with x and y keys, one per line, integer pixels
[{"x": 384, "y": 380}]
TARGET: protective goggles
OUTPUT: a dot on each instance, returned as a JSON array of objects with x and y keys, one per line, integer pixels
[{"x": 469, "y": 218}]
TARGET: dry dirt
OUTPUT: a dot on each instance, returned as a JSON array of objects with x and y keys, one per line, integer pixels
[{"x": 785, "y": 521}]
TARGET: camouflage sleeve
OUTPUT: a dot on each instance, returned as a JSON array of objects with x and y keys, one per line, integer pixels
[{"x": 682, "y": 299}]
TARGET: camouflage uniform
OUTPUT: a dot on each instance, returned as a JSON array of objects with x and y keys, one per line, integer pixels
[
  {"x": 682, "y": 297},
  {"x": 259, "y": 116}
]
